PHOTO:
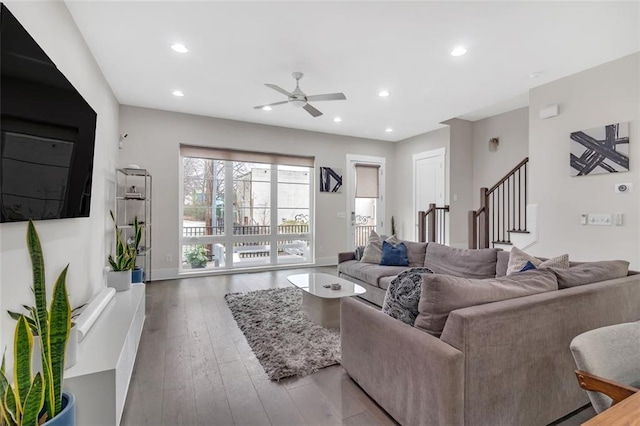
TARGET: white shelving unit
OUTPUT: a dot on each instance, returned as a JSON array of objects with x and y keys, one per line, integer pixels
[{"x": 133, "y": 198}]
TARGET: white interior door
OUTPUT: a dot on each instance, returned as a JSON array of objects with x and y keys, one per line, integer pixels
[{"x": 429, "y": 181}]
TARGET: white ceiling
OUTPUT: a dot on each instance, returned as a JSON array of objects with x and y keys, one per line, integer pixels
[{"x": 357, "y": 48}]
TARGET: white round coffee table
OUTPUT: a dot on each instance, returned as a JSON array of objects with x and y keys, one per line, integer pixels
[{"x": 322, "y": 304}]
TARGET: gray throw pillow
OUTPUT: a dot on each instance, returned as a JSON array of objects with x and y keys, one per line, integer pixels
[
  {"x": 403, "y": 295},
  {"x": 591, "y": 272},
  {"x": 359, "y": 251},
  {"x": 442, "y": 294},
  {"x": 518, "y": 259},
  {"x": 470, "y": 263},
  {"x": 373, "y": 249}
]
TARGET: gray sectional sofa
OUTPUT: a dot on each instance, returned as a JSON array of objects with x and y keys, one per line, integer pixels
[{"x": 501, "y": 363}]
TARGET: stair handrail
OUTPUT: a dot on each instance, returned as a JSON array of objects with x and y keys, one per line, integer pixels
[
  {"x": 479, "y": 219},
  {"x": 429, "y": 220}
]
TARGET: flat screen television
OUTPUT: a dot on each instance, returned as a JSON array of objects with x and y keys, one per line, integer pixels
[{"x": 47, "y": 133}]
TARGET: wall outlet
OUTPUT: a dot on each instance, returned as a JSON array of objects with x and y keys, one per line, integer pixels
[
  {"x": 169, "y": 257},
  {"x": 617, "y": 219},
  {"x": 600, "y": 219}
]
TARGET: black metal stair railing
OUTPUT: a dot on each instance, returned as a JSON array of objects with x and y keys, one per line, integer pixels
[
  {"x": 432, "y": 224},
  {"x": 503, "y": 210}
]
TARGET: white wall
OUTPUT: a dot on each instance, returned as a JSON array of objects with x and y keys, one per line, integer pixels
[
  {"x": 81, "y": 242},
  {"x": 153, "y": 143},
  {"x": 405, "y": 216},
  {"x": 461, "y": 181},
  {"x": 512, "y": 129},
  {"x": 602, "y": 95}
]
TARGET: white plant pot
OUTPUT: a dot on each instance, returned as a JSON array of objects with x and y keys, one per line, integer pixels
[
  {"x": 70, "y": 357},
  {"x": 120, "y": 280}
]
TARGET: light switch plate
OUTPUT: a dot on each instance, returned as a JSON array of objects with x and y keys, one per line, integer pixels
[{"x": 601, "y": 219}]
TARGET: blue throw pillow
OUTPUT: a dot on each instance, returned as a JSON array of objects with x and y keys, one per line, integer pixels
[
  {"x": 394, "y": 255},
  {"x": 529, "y": 266}
]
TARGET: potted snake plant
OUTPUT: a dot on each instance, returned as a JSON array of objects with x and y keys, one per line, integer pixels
[
  {"x": 38, "y": 399},
  {"x": 124, "y": 261}
]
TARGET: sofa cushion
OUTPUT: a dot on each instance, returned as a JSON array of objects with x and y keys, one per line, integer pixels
[
  {"x": 442, "y": 294},
  {"x": 518, "y": 259},
  {"x": 403, "y": 294},
  {"x": 385, "y": 282},
  {"x": 502, "y": 263},
  {"x": 415, "y": 253},
  {"x": 478, "y": 263},
  {"x": 591, "y": 272},
  {"x": 394, "y": 255},
  {"x": 368, "y": 272},
  {"x": 373, "y": 250}
]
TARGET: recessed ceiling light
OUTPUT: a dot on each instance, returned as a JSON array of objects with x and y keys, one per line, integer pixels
[
  {"x": 337, "y": 119},
  {"x": 383, "y": 93},
  {"x": 179, "y": 47},
  {"x": 177, "y": 93},
  {"x": 388, "y": 130},
  {"x": 266, "y": 108},
  {"x": 458, "y": 51}
]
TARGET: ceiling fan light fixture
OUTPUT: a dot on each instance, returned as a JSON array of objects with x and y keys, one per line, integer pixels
[
  {"x": 179, "y": 47},
  {"x": 298, "y": 103}
]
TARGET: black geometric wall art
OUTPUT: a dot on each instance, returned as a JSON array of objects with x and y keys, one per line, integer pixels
[
  {"x": 330, "y": 179},
  {"x": 602, "y": 149}
]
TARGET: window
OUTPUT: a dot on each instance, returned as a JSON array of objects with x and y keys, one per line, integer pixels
[{"x": 244, "y": 209}]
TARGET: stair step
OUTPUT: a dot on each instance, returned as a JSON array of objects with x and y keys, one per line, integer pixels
[
  {"x": 517, "y": 231},
  {"x": 506, "y": 243}
]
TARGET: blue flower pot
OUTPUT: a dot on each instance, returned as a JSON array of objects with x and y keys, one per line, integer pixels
[
  {"x": 66, "y": 417},
  {"x": 136, "y": 275}
]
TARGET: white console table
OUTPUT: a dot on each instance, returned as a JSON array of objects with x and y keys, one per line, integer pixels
[{"x": 100, "y": 378}]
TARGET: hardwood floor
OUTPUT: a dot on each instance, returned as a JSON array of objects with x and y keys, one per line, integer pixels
[{"x": 194, "y": 366}]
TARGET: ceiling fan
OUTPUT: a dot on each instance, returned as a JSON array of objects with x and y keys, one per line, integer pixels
[{"x": 299, "y": 99}]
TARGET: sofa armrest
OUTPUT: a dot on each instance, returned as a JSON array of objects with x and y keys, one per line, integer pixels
[
  {"x": 414, "y": 376},
  {"x": 519, "y": 349},
  {"x": 345, "y": 256}
]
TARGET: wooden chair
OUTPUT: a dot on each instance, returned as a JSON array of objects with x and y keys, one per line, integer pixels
[
  {"x": 614, "y": 390},
  {"x": 608, "y": 361}
]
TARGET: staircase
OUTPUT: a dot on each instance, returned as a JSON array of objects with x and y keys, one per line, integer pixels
[
  {"x": 432, "y": 224},
  {"x": 502, "y": 212}
]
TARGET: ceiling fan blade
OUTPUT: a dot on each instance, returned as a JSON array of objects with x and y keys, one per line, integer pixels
[
  {"x": 311, "y": 110},
  {"x": 273, "y": 104},
  {"x": 279, "y": 89},
  {"x": 327, "y": 97}
]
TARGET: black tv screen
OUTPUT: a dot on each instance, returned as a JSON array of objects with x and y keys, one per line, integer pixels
[{"x": 47, "y": 133}]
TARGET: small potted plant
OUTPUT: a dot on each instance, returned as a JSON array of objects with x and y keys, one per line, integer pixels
[
  {"x": 38, "y": 399},
  {"x": 134, "y": 245},
  {"x": 196, "y": 256},
  {"x": 121, "y": 265}
]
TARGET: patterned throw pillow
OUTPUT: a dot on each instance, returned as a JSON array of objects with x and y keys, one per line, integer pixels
[
  {"x": 518, "y": 260},
  {"x": 403, "y": 295},
  {"x": 359, "y": 251},
  {"x": 373, "y": 249}
]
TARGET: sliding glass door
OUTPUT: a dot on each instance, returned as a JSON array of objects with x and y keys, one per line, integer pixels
[{"x": 243, "y": 214}]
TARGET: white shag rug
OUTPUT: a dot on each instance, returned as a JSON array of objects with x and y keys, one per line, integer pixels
[{"x": 285, "y": 341}]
